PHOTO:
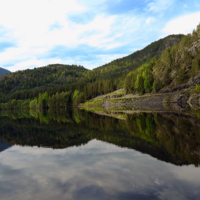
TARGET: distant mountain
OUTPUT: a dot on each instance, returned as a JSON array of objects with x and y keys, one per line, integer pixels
[{"x": 3, "y": 71}]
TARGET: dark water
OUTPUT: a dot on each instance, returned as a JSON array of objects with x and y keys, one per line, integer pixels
[{"x": 74, "y": 154}]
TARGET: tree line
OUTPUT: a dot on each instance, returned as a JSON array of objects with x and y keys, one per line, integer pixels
[{"x": 60, "y": 96}]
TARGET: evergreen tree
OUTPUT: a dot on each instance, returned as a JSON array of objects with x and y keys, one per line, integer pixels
[{"x": 139, "y": 84}]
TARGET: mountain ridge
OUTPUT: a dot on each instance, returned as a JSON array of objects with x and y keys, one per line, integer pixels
[
  {"x": 58, "y": 77},
  {"x": 3, "y": 71},
  {"x": 135, "y": 59}
]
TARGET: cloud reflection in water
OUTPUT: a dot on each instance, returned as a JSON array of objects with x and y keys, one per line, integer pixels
[{"x": 97, "y": 170}]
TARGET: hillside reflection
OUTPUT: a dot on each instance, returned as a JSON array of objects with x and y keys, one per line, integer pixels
[{"x": 166, "y": 136}]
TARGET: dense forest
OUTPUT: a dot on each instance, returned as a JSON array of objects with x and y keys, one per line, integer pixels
[
  {"x": 166, "y": 136},
  {"x": 67, "y": 85},
  {"x": 178, "y": 65}
]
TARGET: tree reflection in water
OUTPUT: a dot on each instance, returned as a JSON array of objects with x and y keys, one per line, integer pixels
[{"x": 167, "y": 136}]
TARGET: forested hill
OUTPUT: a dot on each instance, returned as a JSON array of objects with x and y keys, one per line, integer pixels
[
  {"x": 49, "y": 76},
  {"x": 59, "y": 78},
  {"x": 177, "y": 69},
  {"x": 3, "y": 71},
  {"x": 119, "y": 67}
]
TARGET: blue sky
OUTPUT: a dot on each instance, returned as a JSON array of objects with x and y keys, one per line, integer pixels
[{"x": 35, "y": 33}]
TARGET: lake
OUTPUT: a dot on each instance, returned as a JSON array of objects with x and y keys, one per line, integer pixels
[{"x": 78, "y": 154}]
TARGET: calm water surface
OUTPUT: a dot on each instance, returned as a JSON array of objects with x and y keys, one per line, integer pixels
[{"x": 81, "y": 155}]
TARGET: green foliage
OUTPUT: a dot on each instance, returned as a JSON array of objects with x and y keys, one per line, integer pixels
[
  {"x": 166, "y": 79},
  {"x": 182, "y": 76},
  {"x": 157, "y": 85},
  {"x": 139, "y": 84},
  {"x": 95, "y": 102},
  {"x": 25, "y": 104},
  {"x": 148, "y": 81},
  {"x": 60, "y": 100},
  {"x": 197, "y": 89},
  {"x": 187, "y": 58},
  {"x": 76, "y": 94},
  {"x": 166, "y": 57},
  {"x": 127, "y": 84},
  {"x": 17, "y": 85},
  {"x": 141, "y": 79},
  {"x": 77, "y": 97},
  {"x": 33, "y": 103}
]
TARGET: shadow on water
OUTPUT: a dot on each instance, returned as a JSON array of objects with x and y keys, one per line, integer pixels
[{"x": 170, "y": 137}]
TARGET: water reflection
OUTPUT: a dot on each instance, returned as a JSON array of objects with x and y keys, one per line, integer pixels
[
  {"x": 74, "y": 154},
  {"x": 97, "y": 170},
  {"x": 167, "y": 136}
]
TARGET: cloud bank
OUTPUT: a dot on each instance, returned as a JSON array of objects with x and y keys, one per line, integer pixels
[{"x": 41, "y": 32}]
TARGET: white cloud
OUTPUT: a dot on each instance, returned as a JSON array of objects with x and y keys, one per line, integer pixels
[
  {"x": 101, "y": 24},
  {"x": 149, "y": 20},
  {"x": 184, "y": 24},
  {"x": 29, "y": 25},
  {"x": 114, "y": 45},
  {"x": 30, "y": 20},
  {"x": 30, "y": 64},
  {"x": 159, "y": 5},
  {"x": 65, "y": 173}
]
